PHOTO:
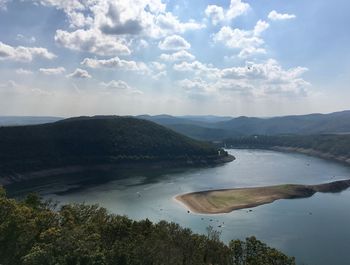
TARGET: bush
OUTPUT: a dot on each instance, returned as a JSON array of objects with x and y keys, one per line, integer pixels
[{"x": 32, "y": 233}]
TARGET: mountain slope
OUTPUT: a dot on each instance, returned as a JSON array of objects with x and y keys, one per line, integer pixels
[
  {"x": 94, "y": 140},
  {"x": 338, "y": 122},
  {"x": 335, "y": 147},
  {"x": 200, "y": 132},
  {"x": 333, "y": 123}
]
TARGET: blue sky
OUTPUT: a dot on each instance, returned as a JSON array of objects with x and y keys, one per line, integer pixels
[{"x": 238, "y": 57}]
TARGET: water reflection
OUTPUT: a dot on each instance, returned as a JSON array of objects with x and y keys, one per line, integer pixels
[{"x": 315, "y": 230}]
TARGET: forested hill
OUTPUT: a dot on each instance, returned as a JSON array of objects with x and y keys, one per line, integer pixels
[
  {"x": 93, "y": 140},
  {"x": 335, "y": 147},
  {"x": 332, "y": 123}
]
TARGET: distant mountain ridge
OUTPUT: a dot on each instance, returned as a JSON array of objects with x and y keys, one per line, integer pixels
[
  {"x": 329, "y": 146},
  {"x": 333, "y": 123},
  {"x": 217, "y": 128},
  {"x": 26, "y": 120}
]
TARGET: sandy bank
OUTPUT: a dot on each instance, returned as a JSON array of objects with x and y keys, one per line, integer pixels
[
  {"x": 228, "y": 200},
  {"x": 312, "y": 152}
]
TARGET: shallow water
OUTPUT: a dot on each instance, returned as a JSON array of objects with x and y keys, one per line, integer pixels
[{"x": 314, "y": 230}]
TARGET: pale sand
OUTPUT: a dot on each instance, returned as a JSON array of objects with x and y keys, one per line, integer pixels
[{"x": 228, "y": 200}]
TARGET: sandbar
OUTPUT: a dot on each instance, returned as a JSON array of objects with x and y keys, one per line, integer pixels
[{"x": 228, "y": 200}]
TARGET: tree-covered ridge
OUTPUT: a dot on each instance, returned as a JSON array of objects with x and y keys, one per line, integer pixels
[
  {"x": 332, "y": 123},
  {"x": 337, "y": 145},
  {"x": 98, "y": 139},
  {"x": 31, "y": 233}
]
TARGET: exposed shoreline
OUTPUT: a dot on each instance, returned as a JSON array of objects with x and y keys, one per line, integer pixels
[
  {"x": 228, "y": 200},
  {"x": 305, "y": 151},
  {"x": 7, "y": 179},
  {"x": 312, "y": 152}
]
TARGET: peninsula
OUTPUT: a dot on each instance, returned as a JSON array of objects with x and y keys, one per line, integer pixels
[{"x": 228, "y": 200}]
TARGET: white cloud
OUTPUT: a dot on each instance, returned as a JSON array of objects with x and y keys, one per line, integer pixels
[
  {"x": 159, "y": 75},
  {"x": 116, "y": 63},
  {"x": 79, "y": 73},
  {"x": 147, "y": 18},
  {"x": 9, "y": 85},
  {"x": 255, "y": 79},
  {"x": 142, "y": 44},
  {"x": 269, "y": 78},
  {"x": 52, "y": 71},
  {"x": 12, "y": 87},
  {"x": 3, "y": 4},
  {"x": 157, "y": 70},
  {"x": 174, "y": 42},
  {"x": 237, "y": 8},
  {"x": 24, "y": 54},
  {"x": 28, "y": 39},
  {"x": 181, "y": 55},
  {"x": 197, "y": 85},
  {"x": 167, "y": 24},
  {"x": 115, "y": 17},
  {"x": 190, "y": 67},
  {"x": 260, "y": 27},
  {"x": 120, "y": 86},
  {"x": 218, "y": 14},
  {"x": 157, "y": 66},
  {"x": 92, "y": 41},
  {"x": 152, "y": 69},
  {"x": 247, "y": 41},
  {"x": 198, "y": 69},
  {"x": 116, "y": 24},
  {"x": 22, "y": 71},
  {"x": 74, "y": 10},
  {"x": 116, "y": 84},
  {"x": 274, "y": 15},
  {"x": 112, "y": 27}
]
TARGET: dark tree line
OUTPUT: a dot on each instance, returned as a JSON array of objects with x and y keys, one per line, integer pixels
[
  {"x": 95, "y": 140},
  {"x": 338, "y": 145}
]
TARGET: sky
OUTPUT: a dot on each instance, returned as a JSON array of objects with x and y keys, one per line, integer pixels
[{"x": 128, "y": 57}]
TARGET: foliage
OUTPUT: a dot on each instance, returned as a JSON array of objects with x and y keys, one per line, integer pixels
[
  {"x": 96, "y": 140},
  {"x": 337, "y": 122},
  {"x": 338, "y": 145},
  {"x": 31, "y": 233}
]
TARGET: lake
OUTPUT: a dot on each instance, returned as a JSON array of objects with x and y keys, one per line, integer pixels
[{"x": 314, "y": 230}]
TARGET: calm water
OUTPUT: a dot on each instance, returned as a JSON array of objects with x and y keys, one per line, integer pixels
[{"x": 314, "y": 230}]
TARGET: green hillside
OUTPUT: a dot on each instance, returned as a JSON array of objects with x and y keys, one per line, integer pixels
[
  {"x": 199, "y": 132},
  {"x": 93, "y": 140},
  {"x": 336, "y": 145},
  {"x": 332, "y": 123},
  {"x": 337, "y": 122},
  {"x": 32, "y": 233}
]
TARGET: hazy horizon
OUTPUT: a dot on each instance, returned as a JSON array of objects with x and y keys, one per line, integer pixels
[
  {"x": 227, "y": 58},
  {"x": 174, "y": 115}
]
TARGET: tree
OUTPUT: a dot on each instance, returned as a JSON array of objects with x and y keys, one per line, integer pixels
[{"x": 31, "y": 233}]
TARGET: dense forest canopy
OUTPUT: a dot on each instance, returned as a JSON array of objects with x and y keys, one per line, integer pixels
[
  {"x": 99, "y": 139},
  {"x": 310, "y": 124},
  {"x": 32, "y": 233},
  {"x": 338, "y": 145}
]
